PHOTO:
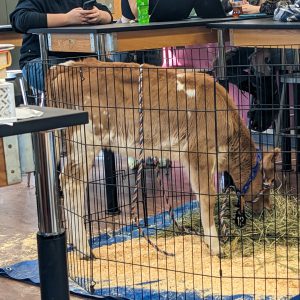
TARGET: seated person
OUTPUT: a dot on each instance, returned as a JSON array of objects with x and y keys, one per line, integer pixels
[
  {"x": 129, "y": 13},
  {"x": 129, "y": 9},
  {"x": 254, "y": 6},
  {"x": 252, "y": 71},
  {"x": 30, "y": 14}
]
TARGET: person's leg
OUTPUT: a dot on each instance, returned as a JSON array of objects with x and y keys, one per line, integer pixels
[
  {"x": 265, "y": 103},
  {"x": 33, "y": 72},
  {"x": 237, "y": 73},
  {"x": 237, "y": 68}
]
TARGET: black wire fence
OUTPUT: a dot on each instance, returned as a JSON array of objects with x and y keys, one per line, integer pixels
[{"x": 184, "y": 184}]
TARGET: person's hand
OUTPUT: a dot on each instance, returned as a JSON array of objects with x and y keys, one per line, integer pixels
[
  {"x": 97, "y": 16},
  {"x": 250, "y": 9},
  {"x": 76, "y": 16}
]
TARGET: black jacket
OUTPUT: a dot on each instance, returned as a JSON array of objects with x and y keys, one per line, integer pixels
[{"x": 33, "y": 14}]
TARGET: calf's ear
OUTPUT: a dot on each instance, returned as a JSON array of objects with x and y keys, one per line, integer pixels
[
  {"x": 272, "y": 156},
  {"x": 275, "y": 154}
]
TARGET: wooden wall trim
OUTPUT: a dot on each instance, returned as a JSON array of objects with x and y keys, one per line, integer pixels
[
  {"x": 140, "y": 40},
  {"x": 264, "y": 37},
  {"x": 11, "y": 38}
]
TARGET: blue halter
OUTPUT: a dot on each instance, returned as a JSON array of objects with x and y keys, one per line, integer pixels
[
  {"x": 240, "y": 216},
  {"x": 252, "y": 176}
]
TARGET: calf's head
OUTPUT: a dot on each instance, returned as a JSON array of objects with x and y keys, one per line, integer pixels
[{"x": 258, "y": 195}]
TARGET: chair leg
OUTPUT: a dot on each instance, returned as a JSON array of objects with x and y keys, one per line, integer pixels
[
  {"x": 23, "y": 91},
  {"x": 28, "y": 178},
  {"x": 38, "y": 95},
  {"x": 279, "y": 117}
]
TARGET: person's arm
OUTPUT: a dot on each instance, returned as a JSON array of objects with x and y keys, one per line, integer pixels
[
  {"x": 28, "y": 15},
  {"x": 250, "y": 9},
  {"x": 79, "y": 16},
  {"x": 126, "y": 10},
  {"x": 75, "y": 16},
  {"x": 133, "y": 7}
]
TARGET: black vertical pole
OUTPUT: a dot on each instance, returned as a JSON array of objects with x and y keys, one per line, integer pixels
[
  {"x": 111, "y": 182},
  {"x": 51, "y": 236},
  {"x": 144, "y": 196},
  {"x": 297, "y": 125},
  {"x": 53, "y": 266},
  {"x": 286, "y": 139}
]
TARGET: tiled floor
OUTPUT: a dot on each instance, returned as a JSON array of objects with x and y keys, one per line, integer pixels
[{"x": 18, "y": 222}]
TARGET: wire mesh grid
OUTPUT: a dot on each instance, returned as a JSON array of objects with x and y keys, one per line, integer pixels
[{"x": 167, "y": 222}]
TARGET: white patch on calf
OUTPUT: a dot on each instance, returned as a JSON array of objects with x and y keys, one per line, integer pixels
[
  {"x": 191, "y": 93},
  {"x": 180, "y": 86},
  {"x": 213, "y": 169},
  {"x": 67, "y": 63},
  {"x": 181, "y": 75}
]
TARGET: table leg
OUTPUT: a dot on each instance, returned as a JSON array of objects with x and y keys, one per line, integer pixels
[
  {"x": 297, "y": 125},
  {"x": 43, "y": 47},
  {"x": 109, "y": 156},
  {"x": 44, "y": 58},
  {"x": 144, "y": 196},
  {"x": 221, "y": 76},
  {"x": 105, "y": 45},
  {"x": 221, "y": 51},
  {"x": 111, "y": 182},
  {"x": 285, "y": 127},
  {"x": 51, "y": 236},
  {"x": 286, "y": 137}
]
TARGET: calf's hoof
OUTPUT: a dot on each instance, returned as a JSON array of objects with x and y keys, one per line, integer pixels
[
  {"x": 214, "y": 246},
  {"x": 88, "y": 257}
]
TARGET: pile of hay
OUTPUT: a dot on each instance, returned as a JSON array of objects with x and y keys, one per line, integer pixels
[
  {"x": 277, "y": 227},
  {"x": 258, "y": 261},
  {"x": 16, "y": 248}
]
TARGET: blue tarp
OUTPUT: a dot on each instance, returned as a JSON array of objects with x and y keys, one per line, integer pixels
[
  {"x": 28, "y": 271},
  {"x": 157, "y": 222}
]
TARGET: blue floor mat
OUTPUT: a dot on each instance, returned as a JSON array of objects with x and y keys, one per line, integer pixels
[
  {"x": 27, "y": 271},
  {"x": 157, "y": 222}
]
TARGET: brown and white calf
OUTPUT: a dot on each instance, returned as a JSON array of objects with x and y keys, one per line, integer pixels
[{"x": 187, "y": 117}]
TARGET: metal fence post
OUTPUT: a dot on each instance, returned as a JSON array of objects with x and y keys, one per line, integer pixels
[{"x": 51, "y": 236}]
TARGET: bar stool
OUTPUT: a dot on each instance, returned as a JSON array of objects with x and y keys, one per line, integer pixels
[
  {"x": 283, "y": 124},
  {"x": 13, "y": 75}
]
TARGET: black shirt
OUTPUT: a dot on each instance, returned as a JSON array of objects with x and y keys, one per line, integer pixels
[{"x": 33, "y": 14}]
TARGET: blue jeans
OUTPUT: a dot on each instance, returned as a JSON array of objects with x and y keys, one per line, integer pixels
[{"x": 34, "y": 74}]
